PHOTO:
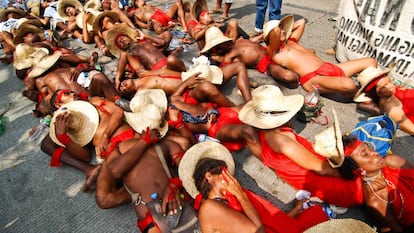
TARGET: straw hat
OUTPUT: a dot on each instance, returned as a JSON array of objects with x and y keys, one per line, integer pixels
[
  {"x": 84, "y": 122},
  {"x": 345, "y": 225},
  {"x": 114, "y": 33},
  {"x": 91, "y": 19},
  {"x": 43, "y": 64},
  {"x": 150, "y": 116},
  {"x": 33, "y": 6},
  {"x": 210, "y": 73},
  {"x": 214, "y": 37},
  {"x": 145, "y": 97},
  {"x": 62, "y": 4},
  {"x": 11, "y": 9},
  {"x": 201, "y": 150},
  {"x": 97, "y": 23},
  {"x": 197, "y": 7},
  {"x": 329, "y": 143},
  {"x": 366, "y": 77},
  {"x": 25, "y": 28},
  {"x": 94, "y": 4},
  {"x": 269, "y": 108},
  {"x": 26, "y": 56},
  {"x": 286, "y": 24}
]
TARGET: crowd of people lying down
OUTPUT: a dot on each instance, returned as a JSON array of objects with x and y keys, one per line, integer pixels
[{"x": 144, "y": 130}]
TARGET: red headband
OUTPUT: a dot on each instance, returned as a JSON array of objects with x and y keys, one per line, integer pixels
[
  {"x": 202, "y": 13},
  {"x": 351, "y": 147},
  {"x": 59, "y": 96},
  {"x": 372, "y": 84}
]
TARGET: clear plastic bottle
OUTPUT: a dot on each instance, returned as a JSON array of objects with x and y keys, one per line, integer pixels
[
  {"x": 203, "y": 137},
  {"x": 166, "y": 6},
  {"x": 39, "y": 131}
]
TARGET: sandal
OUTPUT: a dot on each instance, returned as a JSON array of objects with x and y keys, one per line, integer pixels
[
  {"x": 221, "y": 19},
  {"x": 216, "y": 12}
]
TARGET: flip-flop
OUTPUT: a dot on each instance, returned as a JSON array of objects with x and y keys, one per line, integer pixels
[{"x": 221, "y": 19}]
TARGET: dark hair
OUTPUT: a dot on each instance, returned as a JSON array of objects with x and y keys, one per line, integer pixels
[
  {"x": 203, "y": 166},
  {"x": 349, "y": 167},
  {"x": 53, "y": 99},
  {"x": 373, "y": 95}
]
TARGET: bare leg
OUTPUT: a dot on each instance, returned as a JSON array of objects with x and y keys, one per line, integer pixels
[
  {"x": 284, "y": 76},
  {"x": 331, "y": 85},
  {"x": 174, "y": 63},
  {"x": 226, "y": 10},
  {"x": 239, "y": 69},
  {"x": 207, "y": 92},
  {"x": 102, "y": 86},
  {"x": 218, "y": 5}
]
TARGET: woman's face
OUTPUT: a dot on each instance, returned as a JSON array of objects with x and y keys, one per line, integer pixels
[
  {"x": 367, "y": 158},
  {"x": 385, "y": 87}
]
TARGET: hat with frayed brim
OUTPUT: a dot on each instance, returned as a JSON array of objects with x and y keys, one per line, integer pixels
[
  {"x": 25, "y": 56},
  {"x": 210, "y": 73},
  {"x": 90, "y": 21},
  {"x": 202, "y": 150},
  {"x": 94, "y": 4},
  {"x": 44, "y": 64},
  {"x": 8, "y": 10},
  {"x": 286, "y": 24},
  {"x": 84, "y": 122},
  {"x": 197, "y": 7},
  {"x": 33, "y": 6},
  {"x": 328, "y": 143},
  {"x": 269, "y": 108},
  {"x": 26, "y": 28},
  {"x": 97, "y": 23},
  {"x": 150, "y": 116},
  {"x": 145, "y": 97},
  {"x": 114, "y": 33},
  {"x": 345, "y": 225},
  {"x": 366, "y": 77},
  {"x": 213, "y": 37},
  {"x": 62, "y": 4}
]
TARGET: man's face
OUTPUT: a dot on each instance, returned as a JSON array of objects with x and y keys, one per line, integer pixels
[
  {"x": 126, "y": 87},
  {"x": 122, "y": 42},
  {"x": 66, "y": 97},
  {"x": 385, "y": 87},
  {"x": 206, "y": 18},
  {"x": 106, "y": 4},
  {"x": 70, "y": 11}
]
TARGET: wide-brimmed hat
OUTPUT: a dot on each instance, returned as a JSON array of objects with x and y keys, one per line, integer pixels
[
  {"x": 25, "y": 28},
  {"x": 91, "y": 19},
  {"x": 10, "y": 9},
  {"x": 83, "y": 125},
  {"x": 208, "y": 72},
  {"x": 269, "y": 108},
  {"x": 62, "y": 4},
  {"x": 114, "y": 33},
  {"x": 366, "y": 77},
  {"x": 33, "y": 6},
  {"x": 286, "y": 24},
  {"x": 213, "y": 37},
  {"x": 345, "y": 225},
  {"x": 97, "y": 23},
  {"x": 328, "y": 143},
  {"x": 202, "y": 150},
  {"x": 145, "y": 97},
  {"x": 94, "y": 4},
  {"x": 150, "y": 116},
  {"x": 25, "y": 56},
  {"x": 44, "y": 64},
  {"x": 197, "y": 7}
]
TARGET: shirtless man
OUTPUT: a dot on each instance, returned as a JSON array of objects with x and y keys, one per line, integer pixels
[
  {"x": 150, "y": 17},
  {"x": 312, "y": 70},
  {"x": 224, "y": 50},
  {"x": 142, "y": 55}
]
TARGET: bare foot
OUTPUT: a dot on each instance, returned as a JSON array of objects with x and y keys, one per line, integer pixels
[
  {"x": 91, "y": 177},
  {"x": 369, "y": 107},
  {"x": 177, "y": 51}
]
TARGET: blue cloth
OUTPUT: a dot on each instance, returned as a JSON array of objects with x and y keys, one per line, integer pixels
[{"x": 275, "y": 7}]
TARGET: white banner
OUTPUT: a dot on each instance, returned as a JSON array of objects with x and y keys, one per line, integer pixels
[{"x": 381, "y": 29}]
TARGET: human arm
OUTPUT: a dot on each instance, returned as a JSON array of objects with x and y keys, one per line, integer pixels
[
  {"x": 298, "y": 29},
  {"x": 188, "y": 83},
  {"x": 155, "y": 40}
]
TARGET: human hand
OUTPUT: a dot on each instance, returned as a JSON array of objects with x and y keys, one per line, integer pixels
[
  {"x": 141, "y": 35},
  {"x": 233, "y": 185},
  {"x": 150, "y": 136},
  {"x": 86, "y": 16},
  {"x": 172, "y": 203},
  {"x": 62, "y": 122}
]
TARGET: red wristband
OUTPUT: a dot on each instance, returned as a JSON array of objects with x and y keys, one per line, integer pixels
[
  {"x": 64, "y": 138},
  {"x": 55, "y": 160}
]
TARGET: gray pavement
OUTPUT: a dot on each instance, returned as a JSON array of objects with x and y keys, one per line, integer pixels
[{"x": 38, "y": 198}]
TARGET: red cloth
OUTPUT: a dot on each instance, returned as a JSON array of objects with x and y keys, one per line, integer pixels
[
  {"x": 403, "y": 179},
  {"x": 145, "y": 224},
  {"x": 160, "y": 64},
  {"x": 227, "y": 116},
  {"x": 191, "y": 24},
  {"x": 406, "y": 97},
  {"x": 334, "y": 190},
  {"x": 188, "y": 98},
  {"x": 326, "y": 69},
  {"x": 161, "y": 17},
  {"x": 123, "y": 136},
  {"x": 264, "y": 62}
]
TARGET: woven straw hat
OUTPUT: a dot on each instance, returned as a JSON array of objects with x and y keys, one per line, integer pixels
[
  {"x": 26, "y": 55},
  {"x": 145, "y": 97},
  {"x": 269, "y": 108},
  {"x": 84, "y": 122},
  {"x": 43, "y": 64},
  {"x": 210, "y": 73},
  {"x": 97, "y": 23},
  {"x": 201, "y": 150},
  {"x": 214, "y": 37},
  {"x": 346, "y": 225},
  {"x": 366, "y": 77},
  {"x": 62, "y": 4},
  {"x": 25, "y": 28},
  {"x": 286, "y": 24},
  {"x": 329, "y": 143},
  {"x": 150, "y": 116},
  {"x": 197, "y": 7},
  {"x": 91, "y": 19},
  {"x": 33, "y": 6},
  {"x": 10, "y": 9},
  {"x": 94, "y": 4},
  {"x": 114, "y": 33}
]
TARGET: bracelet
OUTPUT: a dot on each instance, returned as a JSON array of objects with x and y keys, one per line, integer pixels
[{"x": 63, "y": 138}]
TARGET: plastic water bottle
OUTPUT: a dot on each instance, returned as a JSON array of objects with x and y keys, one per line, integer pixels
[
  {"x": 155, "y": 207},
  {"x": 203, "y": 137},
  {"x": 39, "y": 132},
  {"x": 329, "y": 211},
  {"x": 166, "y": 6}
]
